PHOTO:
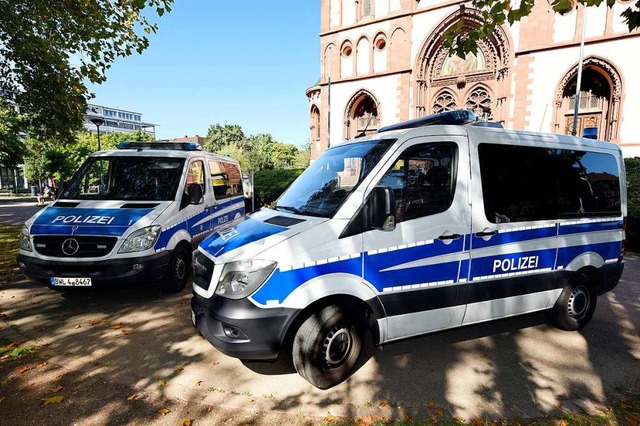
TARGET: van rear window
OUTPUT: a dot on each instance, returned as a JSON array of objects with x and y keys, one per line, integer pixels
[{"x": 522, "y": 183}]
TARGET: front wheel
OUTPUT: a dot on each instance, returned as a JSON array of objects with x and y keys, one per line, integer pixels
[
  {"x": 327, "y": 346},
  {"x": 178, "y": 270},
  {"x": 575, "y": 306}
]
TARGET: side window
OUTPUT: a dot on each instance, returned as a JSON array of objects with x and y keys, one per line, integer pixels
[
  {"x": 196, "y": 174},
  {"x": 423, "y": 180},
  {"x": 226, "y": 179},
  {"x": 522, "y": 184},
  {"x": 589, "y": 184},
  {"x": 518, "y": 183}
]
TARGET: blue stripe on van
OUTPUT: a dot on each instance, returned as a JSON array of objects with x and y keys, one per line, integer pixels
[
  {"x": 607, "y": 251},
  {"x": 590, "y": 227},
  {"x": 501, "y": 238},
  {"x": 86, "y": 221}
]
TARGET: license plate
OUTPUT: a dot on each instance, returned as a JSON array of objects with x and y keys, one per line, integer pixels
[{"x": 70, "y": 282}]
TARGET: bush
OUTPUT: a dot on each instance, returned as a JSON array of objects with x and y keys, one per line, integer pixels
[
  {"x": 269, "y": 184},
  {"x": 633, "y": 202}
]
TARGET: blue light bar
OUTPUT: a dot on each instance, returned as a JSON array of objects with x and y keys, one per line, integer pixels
[
  {"x": 460, "y": 116},
  {"x": 180, "y": 146}
]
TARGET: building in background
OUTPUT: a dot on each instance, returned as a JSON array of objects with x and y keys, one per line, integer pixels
[
  {"x": 383, "y": 61},
  {"x": 117, "y": 120}
]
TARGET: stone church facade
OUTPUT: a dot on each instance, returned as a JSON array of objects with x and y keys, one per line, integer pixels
[{"x": 383, "y": 61}]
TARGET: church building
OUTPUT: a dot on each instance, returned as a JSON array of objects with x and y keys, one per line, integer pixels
[{"x": 383, "y": 61}]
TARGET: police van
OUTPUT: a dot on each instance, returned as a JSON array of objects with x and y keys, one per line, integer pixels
[
  {"x": 132, "y": 215},
  {"x": 427, "y": 225}
]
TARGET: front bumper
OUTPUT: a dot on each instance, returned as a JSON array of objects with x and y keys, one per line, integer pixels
[
  {"x": 102, "y": 273},
  {"x": 240, "y": 329}
]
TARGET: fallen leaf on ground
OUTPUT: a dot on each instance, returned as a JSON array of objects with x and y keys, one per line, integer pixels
[
  {"x": 56, "y": 389},
  {"x": 406, "y": 415},
  {"x": 57, "y": 399},
  {"x": 209, "y": 409},
  {"x": 132, "y": 397},
  {"x": 117, "y": 326},
  {"x": 329, "y": 418},
  {"x": 164, "y": 411},
  {"x": 162, "y": 383},
  {"x": 383, "y": 404},
  {"x": 439, "y": 412},
  {"x": 78, "y": 326},
  {"x": 127, "y": 332},
  {"x": 431, "y": 403},
  {"x": 96, "y": 322},
  {"x": 25, "y": 368},
  {"x": 199, "y": 382},
  {"x": 185, "y": 422},
  {"x": 1, "y": 399},
  {"x": 178, "y": 369}
]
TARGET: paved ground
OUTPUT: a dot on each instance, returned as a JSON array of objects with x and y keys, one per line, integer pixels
[{"x": 97, "y": 349}]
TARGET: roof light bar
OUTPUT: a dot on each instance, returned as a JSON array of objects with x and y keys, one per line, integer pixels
[
  {"x": 460, "y": 116},
  {"x": 180, "y": 146}
]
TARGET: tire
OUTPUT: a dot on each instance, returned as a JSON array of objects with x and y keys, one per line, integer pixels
[
  {"x": 576, "y": 304},
  {"x": 327, "y": 346},
  {"x": 178, "y": 271}
]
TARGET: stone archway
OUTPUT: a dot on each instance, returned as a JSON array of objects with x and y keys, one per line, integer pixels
[
  {"x": 599, "y": 102},
  {"x": 439, "y": 70},
  {"x": 362, "y": 115}
]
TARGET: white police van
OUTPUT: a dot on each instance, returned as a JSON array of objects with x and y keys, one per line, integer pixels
[
  {"x": 420, "y": 227},
  {"x": 132, "y": 215}
]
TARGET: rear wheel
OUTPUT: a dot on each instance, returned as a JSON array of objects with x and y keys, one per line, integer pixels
[
  {"x": 178, "y": 270},
  {"x": 327, "y": 346},
  {"x": 576, "y": 304}
]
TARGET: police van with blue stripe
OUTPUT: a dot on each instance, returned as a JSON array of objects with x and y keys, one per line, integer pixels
[
  {"x": 427, "y": 225},
  {"x": 132, "y": 215}
]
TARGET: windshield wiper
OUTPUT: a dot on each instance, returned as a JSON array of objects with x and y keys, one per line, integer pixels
[{"x": 289, "y": 208}]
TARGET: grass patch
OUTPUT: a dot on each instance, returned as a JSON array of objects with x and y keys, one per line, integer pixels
[{"x": 9, "y": 246}]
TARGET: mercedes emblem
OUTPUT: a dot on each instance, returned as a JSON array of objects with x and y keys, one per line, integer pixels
[{"x": 70, "y": 246}]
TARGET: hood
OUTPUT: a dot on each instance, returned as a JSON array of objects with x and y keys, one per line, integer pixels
[
  {"x": 255, "y": 233},
  {"x": 94, "y": 217}
]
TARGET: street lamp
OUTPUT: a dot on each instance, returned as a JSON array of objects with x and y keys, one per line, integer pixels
[{"x": 98, "y": 122}]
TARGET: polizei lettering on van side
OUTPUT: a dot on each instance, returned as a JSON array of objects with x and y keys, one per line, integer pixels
[
  {"x": 100, "y": 220},
  {"x": 431, "y": 224},
  {"x": 515, "y": 264}
]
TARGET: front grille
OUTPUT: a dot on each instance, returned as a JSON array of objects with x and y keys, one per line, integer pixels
[
  {"x": 202, "y": 270},
  {"x": 87, "y": 246}
]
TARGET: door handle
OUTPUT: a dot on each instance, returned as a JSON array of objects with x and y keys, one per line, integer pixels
[
  {"x": 449, "y": 237},
  {"x": 485, "y": 233}
]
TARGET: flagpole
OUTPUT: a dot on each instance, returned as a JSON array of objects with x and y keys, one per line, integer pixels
[{"x": 579, "y": 82}]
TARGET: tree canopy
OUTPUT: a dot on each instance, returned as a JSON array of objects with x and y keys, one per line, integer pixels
[
  {"x": 50, "y": 48},
  {"x": 463, "y": 40},
  {"x": 254, "y": 152}
]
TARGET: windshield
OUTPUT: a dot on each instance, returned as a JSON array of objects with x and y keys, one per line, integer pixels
[
  {"x": 327, "y": 182},
  {"x": 126, "y": 178}
]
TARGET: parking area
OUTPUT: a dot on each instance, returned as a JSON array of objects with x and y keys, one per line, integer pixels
[{"x": 142, "y": 339}]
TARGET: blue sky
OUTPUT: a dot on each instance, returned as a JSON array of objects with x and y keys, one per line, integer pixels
[{"x": 227, "y": 62}]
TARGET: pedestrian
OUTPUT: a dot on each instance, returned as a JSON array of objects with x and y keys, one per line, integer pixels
[{"x": 46, "y": 193}]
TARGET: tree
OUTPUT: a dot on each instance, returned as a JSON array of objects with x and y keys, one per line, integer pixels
[
  {"x": 50, "y": 48},
  {"x": 45, "y": 159},
  {"x": 11, "y": 145},
  {"x": 220, "y": 135},
  {"x": 464, "y": 40}
]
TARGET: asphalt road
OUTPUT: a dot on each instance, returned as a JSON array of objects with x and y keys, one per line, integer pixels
[{"x": 142, "y": 341}]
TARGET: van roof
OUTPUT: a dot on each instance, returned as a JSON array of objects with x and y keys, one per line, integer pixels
[
  {"x": 486, "y": 134},
  {"x": 170, "y": 153}
]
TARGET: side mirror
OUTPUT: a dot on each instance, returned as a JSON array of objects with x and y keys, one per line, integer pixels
[
  {"x": 194, "y": 190},
  {"x": 381, "y": 209}
]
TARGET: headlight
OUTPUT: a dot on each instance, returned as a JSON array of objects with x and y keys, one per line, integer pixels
[
  {"x": 142, "y": 239},
  {"x": 25, "y": 239},
  {"x": 240, "y": 279}
]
